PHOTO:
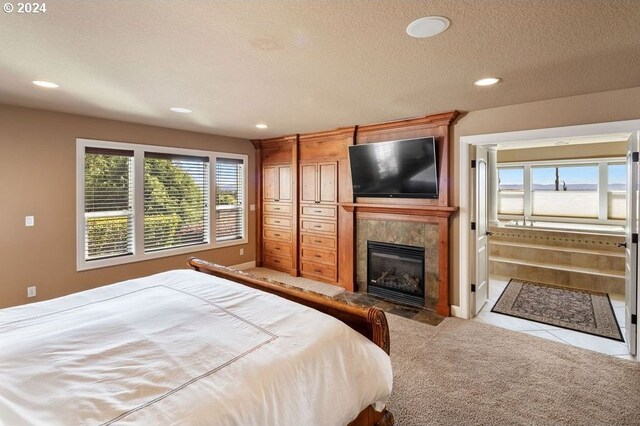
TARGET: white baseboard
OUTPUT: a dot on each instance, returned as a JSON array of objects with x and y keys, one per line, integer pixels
[
  {"x": 456, "y": 311},
  {"x": 243, "y": 266}
]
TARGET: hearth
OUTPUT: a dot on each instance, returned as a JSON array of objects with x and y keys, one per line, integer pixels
[{"x": 396, "y": 272}]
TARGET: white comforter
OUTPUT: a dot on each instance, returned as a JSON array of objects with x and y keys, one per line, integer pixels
[{"x": 183, "y": 347}]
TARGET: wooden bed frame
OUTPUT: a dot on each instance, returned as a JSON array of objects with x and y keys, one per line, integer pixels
[{"x": 370, "y": 322}]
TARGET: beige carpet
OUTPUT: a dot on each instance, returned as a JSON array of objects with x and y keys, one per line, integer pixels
[
  {"x": 469, "y": 373},
  {"x": 304, "y": 283}
]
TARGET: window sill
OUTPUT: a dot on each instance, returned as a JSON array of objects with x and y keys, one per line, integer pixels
[{"x": 84, "y": 265}]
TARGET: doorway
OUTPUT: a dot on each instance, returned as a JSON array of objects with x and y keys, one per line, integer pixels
[{"x": 524, "y": 223}]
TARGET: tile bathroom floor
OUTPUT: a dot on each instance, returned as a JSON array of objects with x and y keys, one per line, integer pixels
[{"x": 497, "y": 285}]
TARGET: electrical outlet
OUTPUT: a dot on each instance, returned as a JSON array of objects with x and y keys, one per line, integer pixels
[
  {"x": 241, "y": 252},
  {"x": 31, "y": 291},
  {"x": 252, "y": 207},
  {"x": 29, "y": 221}
]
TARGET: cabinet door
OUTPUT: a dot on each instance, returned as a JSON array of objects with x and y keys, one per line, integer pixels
[
  {"x": 328, "y": 183},
  {"x": 284, "y": 183},
  {"x": 269, "y": 183},
  {"x": 308, "y": 183}
]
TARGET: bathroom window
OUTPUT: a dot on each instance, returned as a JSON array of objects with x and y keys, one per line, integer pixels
[
  {"x": 566, "y": 191},
  {"x": 591, "y": 191},
  {"x": 617, "y": 190},
  {"x": 511, "y": 190}
]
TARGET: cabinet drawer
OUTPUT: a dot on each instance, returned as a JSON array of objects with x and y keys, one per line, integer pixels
[
  {"x": 328, "y": 212},
  {"x": 317, "y": 226},
  {"x": 284, "y": 222},
  {"x": 274, "y": 248},
  {"x": 318, "y": 269},
  {"x": 283, "y": 263},
  {"x": 277, "y": 208},
  {"x": 318, "y": 241},
  {"x": 326, "y": 257},
  {"x": 277, "y": 234}
]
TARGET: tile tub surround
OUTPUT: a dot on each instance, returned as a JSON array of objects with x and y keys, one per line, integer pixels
[
  {"x": 572, "y": 259},
  {"x": 397, "y": 232}
]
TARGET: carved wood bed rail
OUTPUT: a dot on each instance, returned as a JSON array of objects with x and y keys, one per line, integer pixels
[{"x": 370, "y": 322}]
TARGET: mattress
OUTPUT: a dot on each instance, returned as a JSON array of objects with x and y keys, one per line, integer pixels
[{"x": 184, "y": 347}]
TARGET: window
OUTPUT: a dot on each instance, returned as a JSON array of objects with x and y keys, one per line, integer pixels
[
  {"x": 137, "y": 202},
  {"x": 588, "y": 191},
  {"x": 108, "y": 203},
  {"x": 511, "y": 190},
  {"x": 617, "y": 191},
  {"x": 567, "y": 191},
  {"x": 229, "y": 199}
]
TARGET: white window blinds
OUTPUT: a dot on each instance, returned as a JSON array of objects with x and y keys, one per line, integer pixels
[
  {"x": 108, "y": 203},
  {"x": 230, "y": 196},
  {"x": 176, "y": 194}
]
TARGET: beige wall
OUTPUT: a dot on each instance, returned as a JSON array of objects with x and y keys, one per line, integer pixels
[
  {"x": 564, "y": 152},
  {"x": 600, "y": 107},
  {"x": 38, "y": 177}
]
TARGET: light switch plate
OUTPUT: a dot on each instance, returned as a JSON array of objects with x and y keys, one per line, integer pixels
[
  {"x": 29, "y": 221},
  {"x": 252, "y": 207},
  {"x": 31, "y": 291}
]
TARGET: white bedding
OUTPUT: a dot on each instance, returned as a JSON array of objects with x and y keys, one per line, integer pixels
[{"x": 183, "y": 347}]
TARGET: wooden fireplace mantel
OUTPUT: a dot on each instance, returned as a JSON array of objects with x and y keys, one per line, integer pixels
[
  {"x": 411, "y": 210},
  {"x": 439, "y": 215}
]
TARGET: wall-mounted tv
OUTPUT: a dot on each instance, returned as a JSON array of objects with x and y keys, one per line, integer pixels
[{"x": 402, "y": 169}]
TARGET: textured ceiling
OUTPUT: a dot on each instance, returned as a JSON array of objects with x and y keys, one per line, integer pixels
[{"x": 310, "y": 65}]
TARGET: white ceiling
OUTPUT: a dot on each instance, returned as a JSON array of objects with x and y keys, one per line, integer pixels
[
  {"x": 310, "y": 65},
  {"x": 581, "y": 140}
]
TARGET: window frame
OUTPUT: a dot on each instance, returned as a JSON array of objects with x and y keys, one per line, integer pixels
[
  {"x": 139, "y": 254},
  {"x": 603, "y": 178}
]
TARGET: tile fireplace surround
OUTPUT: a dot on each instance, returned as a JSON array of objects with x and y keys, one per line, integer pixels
[{"x": 406, "y": 233}]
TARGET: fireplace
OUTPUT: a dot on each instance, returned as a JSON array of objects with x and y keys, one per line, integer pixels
[{"x": 396, "y": 272}]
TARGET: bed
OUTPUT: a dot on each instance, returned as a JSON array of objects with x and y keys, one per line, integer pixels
[{"x": 204, "y": 346}]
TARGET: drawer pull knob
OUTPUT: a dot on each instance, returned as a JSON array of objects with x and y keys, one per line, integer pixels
[
  {"x": 317, "y": 241},
  {"x": 317, "y": 211},
  {"x": 318, "y": 271},
  {"x": 277, "y": 235},
  {"x": 317, "y": 255},
  {"x": 276, "y": 221},
  {"x": 276, "y": 208},
  {"x": 317, "y": 226},
  {"x": 277, "y": 248},
  {"x": 276, "y": 260}
]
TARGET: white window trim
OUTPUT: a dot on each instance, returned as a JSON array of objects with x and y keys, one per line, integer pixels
[
  {"x": 138, "y": 239},
  {"x": 600, "y": 162}
]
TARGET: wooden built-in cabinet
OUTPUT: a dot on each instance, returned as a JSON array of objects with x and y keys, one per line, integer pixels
[
  {"x": 318, "y": 220},
  {"x": 278, "y": 219}
]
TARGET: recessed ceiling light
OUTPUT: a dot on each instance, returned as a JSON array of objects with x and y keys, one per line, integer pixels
[
  {"x": 181, "y": 110},
  {"x": 261, "y": 126},
  {"x": 487, "y": 81},
  {"x": 47, "y": 84},
  {"x": 428, "y": 26}
]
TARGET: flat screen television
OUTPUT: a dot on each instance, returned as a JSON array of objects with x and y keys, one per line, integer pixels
[{"x": 402, "y": 169}]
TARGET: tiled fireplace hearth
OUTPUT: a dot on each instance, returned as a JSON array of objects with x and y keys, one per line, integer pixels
[{"x": 422, "y": 236}]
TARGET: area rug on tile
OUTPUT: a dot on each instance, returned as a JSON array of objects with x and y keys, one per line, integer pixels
[
  {"x": 465, "y": 372},
  {"x": 580, "y": 310},
  {"x": 303, "y": 283}
]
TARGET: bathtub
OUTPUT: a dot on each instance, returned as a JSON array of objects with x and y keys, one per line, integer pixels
[{"x": 561, "y": 226}]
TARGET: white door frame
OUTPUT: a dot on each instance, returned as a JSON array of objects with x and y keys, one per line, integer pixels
[{"x": 463, "y": 179}]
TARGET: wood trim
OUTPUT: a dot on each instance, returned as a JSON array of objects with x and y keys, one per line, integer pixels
[
  {"x": 419, "y": 210},
  {"x": 295, "y": 176},
  {"x": 433, "y": 120},
  {"x": 258, "y": 201},
  {"x": 443, "y": 307},
  {"x": 370, "y": 322},
  {"x": 273, "y": 142}
]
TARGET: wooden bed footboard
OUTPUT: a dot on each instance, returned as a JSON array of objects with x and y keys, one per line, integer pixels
[{"x": 370, "y": 322}]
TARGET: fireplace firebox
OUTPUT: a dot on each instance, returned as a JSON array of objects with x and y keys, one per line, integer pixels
[{"x": 396, "y": 272}]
